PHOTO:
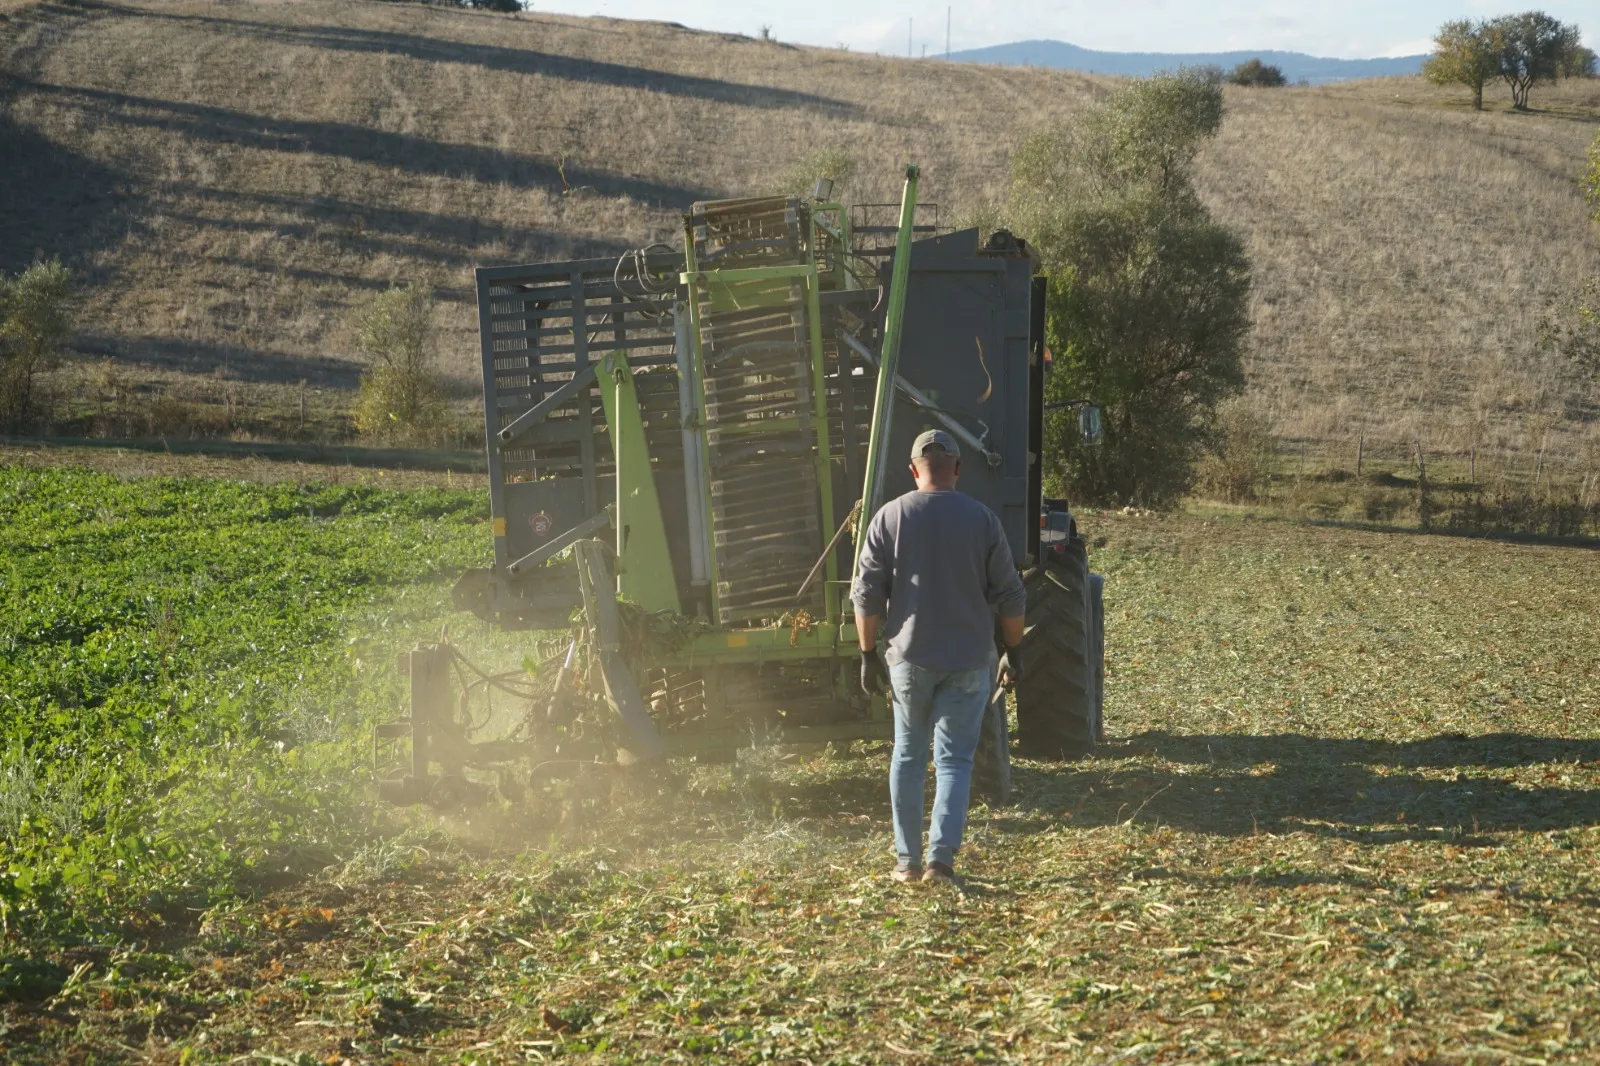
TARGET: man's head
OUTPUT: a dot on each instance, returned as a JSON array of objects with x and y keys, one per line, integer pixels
[{"x": 935, "y": 461}]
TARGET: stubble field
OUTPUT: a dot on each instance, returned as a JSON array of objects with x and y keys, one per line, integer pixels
[{"x": 1348, "y": 811}]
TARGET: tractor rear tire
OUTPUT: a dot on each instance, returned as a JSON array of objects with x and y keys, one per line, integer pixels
[
  {"x": 1056, "y": 699},
  {"x": 991, "y": 764},
  {"x": 1097, "y": 652}
]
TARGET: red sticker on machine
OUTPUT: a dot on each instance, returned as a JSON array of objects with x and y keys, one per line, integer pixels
[{"x": 541, "y": 524}]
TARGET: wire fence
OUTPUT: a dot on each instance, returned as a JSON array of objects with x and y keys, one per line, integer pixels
[{"x": 1405, "y": 481}]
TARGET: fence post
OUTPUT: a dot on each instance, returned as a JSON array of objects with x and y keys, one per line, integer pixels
[
  {"x": 1424, "y": 509},
  {"x": 1361, "y": 446}
]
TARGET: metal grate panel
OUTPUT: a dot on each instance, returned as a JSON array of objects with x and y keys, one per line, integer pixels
[
  {"x": 756, "y": 352},
  {"x": 539, "y": 326}
]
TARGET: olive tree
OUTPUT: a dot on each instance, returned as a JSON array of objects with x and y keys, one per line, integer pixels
[
  {"x": 1254, "y": 73},
  {"x": 402, "y": 399},
  {"x": 35, "y": 321},
  {"x": 1530, "y": 48},
  {"x": 1579, "y": 62},
  {"x": 1464, "y": 53},
  {"x": 1147, "y": 311},
  {"x": 833, "y": 162}
]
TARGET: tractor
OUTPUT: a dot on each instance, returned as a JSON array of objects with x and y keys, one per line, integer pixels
[{"x": 684, "y": 449}]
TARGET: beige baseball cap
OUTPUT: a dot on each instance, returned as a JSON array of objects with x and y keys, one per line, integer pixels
[{"x": 930, "y": 438}]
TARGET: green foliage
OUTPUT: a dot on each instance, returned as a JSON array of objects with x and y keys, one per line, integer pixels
[
  {"x": 1238, "y": 465},
  {"x": 183, "y": 697},
  {"x": 35, "y": 321},
  {"x": 1579, "y": 62},
  {"x": 834, "y": 162},
  {"x": 1253, "y": 72},
  {"x": 1147, "y": 133},
  {"x": 1464, "y": 53},
  {"x": 1530, "y": 48},
  {"x": 402, "y": 399},
  {"x": 1147, "y": 308}
]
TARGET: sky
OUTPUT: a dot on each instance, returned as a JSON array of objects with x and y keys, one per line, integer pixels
[{"x": 1344, "y": 29}]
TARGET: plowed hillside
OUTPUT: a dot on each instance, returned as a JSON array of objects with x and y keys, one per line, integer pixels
[{"x": 230, "y": 179}]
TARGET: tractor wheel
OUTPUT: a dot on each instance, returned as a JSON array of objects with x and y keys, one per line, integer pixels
[
  {"x": 991, "y": 764},
  {"x": 1097, "y": 652},
  {"x": 1056, "y": 698}
]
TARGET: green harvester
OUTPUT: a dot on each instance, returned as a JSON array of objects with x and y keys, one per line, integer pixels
[{"x": 683, "y": 449}]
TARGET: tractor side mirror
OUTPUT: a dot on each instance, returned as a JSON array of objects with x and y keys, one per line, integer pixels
[{"x": 1089, "y": 428}]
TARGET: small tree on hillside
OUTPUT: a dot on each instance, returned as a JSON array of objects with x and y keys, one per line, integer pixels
[
  {"x": 35, "y": 321},
  {"x": 1255, "y": 73},
  {"x": 402, "y": 399},
  {"x": 1238, "y": 464},
  {"x": 833, "y": 162},
  {"x": 1532, "y": 47},
  {"x": 1580, "y": 62},
  {"x": 1464, "y": 53},
  {"x": 1148, "y": 296}
]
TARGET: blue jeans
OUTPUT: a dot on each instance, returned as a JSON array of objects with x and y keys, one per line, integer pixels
[{"x": 945, "y": 707}]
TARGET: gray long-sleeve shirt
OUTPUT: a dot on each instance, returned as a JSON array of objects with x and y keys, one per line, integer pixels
[{"x": 937, "y": 563}]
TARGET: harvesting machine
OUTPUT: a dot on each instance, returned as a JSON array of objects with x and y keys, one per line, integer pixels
[{"x": 683, "y": 449}]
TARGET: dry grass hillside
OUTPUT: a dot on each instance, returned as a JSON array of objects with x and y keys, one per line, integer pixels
[
  {"x": 1405, "y": 251},
  {"x": 231, "y": 178}
]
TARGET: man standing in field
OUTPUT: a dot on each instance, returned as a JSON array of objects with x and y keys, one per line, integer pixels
[{"x": 936, "y": 563}]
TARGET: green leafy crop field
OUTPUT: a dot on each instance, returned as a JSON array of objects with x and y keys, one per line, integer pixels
[
  {"x": 182, "y": 664},
  {"x": 1350, "y": 811}
]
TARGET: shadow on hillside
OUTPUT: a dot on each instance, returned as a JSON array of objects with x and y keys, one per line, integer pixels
[
  {"x": 267, "y": 268},
  {"x": 515, "y": 61},
  {"x": 1585, "y": 113},
  {"x": 55, "y": 202},
  {"x": 1445, "y": 750},
  {"x": 230, "y": 362},
  {"x": 402, "y": 151},
  {"x": 1547, "y": 540},
  {"x": 449, "y": 240},
  {"x": 1318, "y": 785}
]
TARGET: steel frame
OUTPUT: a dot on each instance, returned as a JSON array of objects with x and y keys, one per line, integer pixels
[{"x": 561, "y": 408}]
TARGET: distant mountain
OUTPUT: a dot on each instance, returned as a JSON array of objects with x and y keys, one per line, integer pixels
[{"x": 1296, "y": 66}]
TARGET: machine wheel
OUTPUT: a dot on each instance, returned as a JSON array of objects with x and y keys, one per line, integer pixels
[
  {"x": 1097, "y": 652},
  {"x": 1056, "y": 716},
  {"x": 991, "y": 763}
]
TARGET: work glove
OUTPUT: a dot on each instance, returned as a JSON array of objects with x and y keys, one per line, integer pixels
[
  {"x": 874, "y": 675},
  {"x": 1011, "y": 669}
]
